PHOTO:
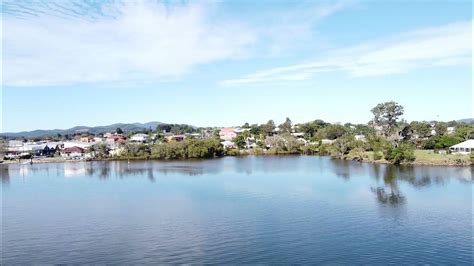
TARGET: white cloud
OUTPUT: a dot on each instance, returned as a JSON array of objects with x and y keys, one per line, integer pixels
[
  {"x": 442, "y": 46},
  {"x": 133, "y": 41},
  {"x": 55, "y": 43}
]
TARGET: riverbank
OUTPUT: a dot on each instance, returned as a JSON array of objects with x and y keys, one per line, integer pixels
[{"x": 423, "y": 157}]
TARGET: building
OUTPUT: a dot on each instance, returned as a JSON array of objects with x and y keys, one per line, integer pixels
[
  {"x": 450, "y": 130},
  {"x": 176, "y": 138},
  {"x": 227, "y": 133},
  {"x": 139, "y": 138},
  {"x": 228, "y": 145},
  {"x": 327, "y": 141},
  {"x": 465, "y": 147},
  {"x": 87, "y": 139},
  {"x": 360, "y": 137},
  {"x": 73, "y": 153}
]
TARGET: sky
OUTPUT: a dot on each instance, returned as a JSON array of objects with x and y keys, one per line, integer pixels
[{"x": 224, "y": 63}]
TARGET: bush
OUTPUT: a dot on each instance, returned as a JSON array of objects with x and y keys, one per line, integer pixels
[
  {"x": 357, "y": 154},
  {"x": 187, "y": 149},
  {"x": 403, "y": 153},
  {"x": 378, "y": 155},
  {"x": 232, "y": 153}
]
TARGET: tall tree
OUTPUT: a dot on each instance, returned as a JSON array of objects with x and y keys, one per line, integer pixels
[
  {"x": 387, "y": 115},
  {"x": 286, "y": 126},
  {"x": 269, "y": 127}
]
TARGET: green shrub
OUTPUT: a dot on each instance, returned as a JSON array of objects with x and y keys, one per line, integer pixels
[
  {"x": 403, "y": 153},
  {"x": 233, "y": 153}
]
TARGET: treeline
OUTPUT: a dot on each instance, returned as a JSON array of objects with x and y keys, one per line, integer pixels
[{"x": 187, "y": 149}]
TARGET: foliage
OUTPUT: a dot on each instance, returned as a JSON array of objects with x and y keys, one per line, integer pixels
[
  {"x": 422, "y": 129},
  {"x": 331, "y": 132},
  {"x": 387, "y": 115},
  {"x": 187, "y": 149},
  {"x": 357, "y": 154},
  {"x": 240, "y": 141},
  {"x": 342, "y": 146},
  {"x": 284, "y": 143},
  {"x": 441, "y": 142},
  {"x": 119, "y": 131},
  {"x": 175, "y": 128},
  {"x": 465, "y": 132},
  {"x": 232, "y": 153},
  {"x": 286, "y": 126},
  {"x": 310, "y": 149},
  {"x": 403, "y": 153},
  {"x": 268, "y": 128}
]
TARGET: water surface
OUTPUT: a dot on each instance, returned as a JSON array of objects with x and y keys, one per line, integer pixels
[{"x": 288, "y": 209}]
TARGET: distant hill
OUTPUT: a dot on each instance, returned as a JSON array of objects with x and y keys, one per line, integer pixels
[
  {"x": 467, "y": 120},
  {"x": 80, "y": 129}
]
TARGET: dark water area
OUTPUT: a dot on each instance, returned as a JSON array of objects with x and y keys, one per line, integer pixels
[{"x": 239, "y": 210}]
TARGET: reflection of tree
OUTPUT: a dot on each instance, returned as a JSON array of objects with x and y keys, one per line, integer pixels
[
  {"x": 392, "y": 198},
  {"x": 5, "y": 175},
  {"x": 390, "y": 178}
]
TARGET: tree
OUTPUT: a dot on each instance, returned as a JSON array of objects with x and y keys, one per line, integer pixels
[
  {"x": 441, "y": 128},
  {"x": 286, "y": 126},
  {"x": 465, "y": 132},
  {"x": 119, "y": 131},
  {"x": 403, "y": 153},
  {"x": 246, "y": 125},
  {"x": 269, "y": 127},
  {"x": 386, "y": 115},
  {"x": 422, "y": 129},
  {"x": 240, "y": 141},
  {"x": 342, "y": 146}
]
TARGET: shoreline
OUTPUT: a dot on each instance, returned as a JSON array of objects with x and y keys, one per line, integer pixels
[{"x": 61, "y": 160}]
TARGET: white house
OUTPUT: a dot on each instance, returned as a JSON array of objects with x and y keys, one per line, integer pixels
[
  {"x": 465, "y": 147},
  {"x": 360, "y": 137},
  {"x": 228, "y": 144},
  {"x": 327, "y": 141},
  {"x": 139, "y": 137},
  {"x": 450, "y": 130},
  {"x": 73, "y": 153}
]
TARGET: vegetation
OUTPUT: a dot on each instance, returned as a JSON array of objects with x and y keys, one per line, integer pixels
[{"x": 187, "y": 149}]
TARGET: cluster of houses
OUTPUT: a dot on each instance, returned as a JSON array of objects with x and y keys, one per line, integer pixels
[
  {"x": 71, "y": 149},
  {"x": 80, "y": 147}
]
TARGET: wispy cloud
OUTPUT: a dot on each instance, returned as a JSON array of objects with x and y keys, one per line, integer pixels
[
  {"x": 64, "y": 42},
  {"x": 441, "y": 46}
]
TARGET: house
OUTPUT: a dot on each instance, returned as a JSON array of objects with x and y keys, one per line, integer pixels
[
  {"x": 98, "y": 139},
  {"x": 82, "y": 145},
  {"x": 87, "y": 139},
  {"x": 114, "y": 139},
  {"x": 327, "y": 141},
  {"x": 139, "y": 138},
  {"x": 176, "y": 138},
  {"x": 228, "y": 145},
  {"x": 450, "y": 130},
  {"x": 298, "y": 134},
  {"x": 360, "y": 137},
  {"x": 73, "y": 153},
  {"x": 227, "y": 133},
  {"x": 465, "y": 147}
]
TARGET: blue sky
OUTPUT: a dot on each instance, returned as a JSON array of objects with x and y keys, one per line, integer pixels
[{"x": 223, "y": 63}]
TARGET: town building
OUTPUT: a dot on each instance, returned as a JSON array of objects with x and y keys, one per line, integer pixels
[
  {"x": 465, "y": 147},
  {"x": 227, "y": 133},
  {"x": 73, "y": 153},
  {"x": 139, "y": 138}
]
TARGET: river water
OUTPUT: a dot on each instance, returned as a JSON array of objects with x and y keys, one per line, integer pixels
[{"x": 239, "y": 210}]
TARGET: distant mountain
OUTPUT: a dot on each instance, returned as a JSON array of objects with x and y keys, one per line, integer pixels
[
  {"x": 80, "y": 129},
  {"x": 467, "y": 121}
]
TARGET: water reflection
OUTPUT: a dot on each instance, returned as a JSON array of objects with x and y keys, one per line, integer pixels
[{"x": 416, "y": 176}]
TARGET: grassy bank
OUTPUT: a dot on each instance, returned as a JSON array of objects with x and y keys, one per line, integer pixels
[{"x": 429, "y": 157}]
